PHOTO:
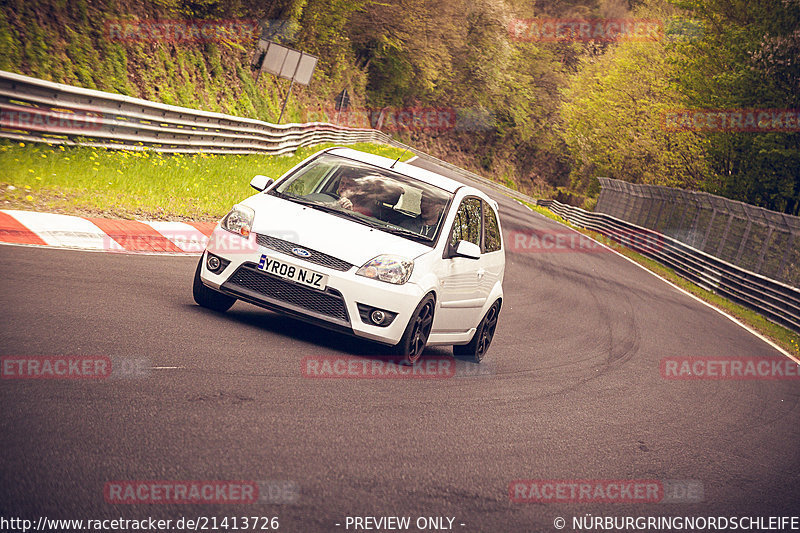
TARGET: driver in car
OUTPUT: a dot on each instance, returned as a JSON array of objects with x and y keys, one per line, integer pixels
[
  {"x": 347, "y": 187},
  {"x": 430, "y": 208},
  {"x": 366, "y": 194}
]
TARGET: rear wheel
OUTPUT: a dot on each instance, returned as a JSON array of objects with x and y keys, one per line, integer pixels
[
  {"x": 208, "y": 297},
  {"x": 480, "y": 342},
  {"x": 417, "y": 332}
]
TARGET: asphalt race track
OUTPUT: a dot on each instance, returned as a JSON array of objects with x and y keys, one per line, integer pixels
[{"x": 571, "y": 390}]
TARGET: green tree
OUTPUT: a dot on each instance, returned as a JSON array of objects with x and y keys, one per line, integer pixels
[
  {"x": 747, "y": 58},
  {"x": 614, "y": 110}
]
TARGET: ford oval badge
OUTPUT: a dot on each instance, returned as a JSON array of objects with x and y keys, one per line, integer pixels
[{"x": 299, "y": 252}]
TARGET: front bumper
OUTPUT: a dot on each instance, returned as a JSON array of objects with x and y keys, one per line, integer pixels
[{"x": 335, "y": 308}]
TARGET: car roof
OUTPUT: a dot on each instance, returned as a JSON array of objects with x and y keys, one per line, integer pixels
[{"x": 426, "y": 176}]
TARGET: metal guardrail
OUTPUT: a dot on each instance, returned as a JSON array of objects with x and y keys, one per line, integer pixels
[
  {"x": 36, "y": 110},
  {"x": 776, "y": 301},
  {"x": 41, "y": 111}
]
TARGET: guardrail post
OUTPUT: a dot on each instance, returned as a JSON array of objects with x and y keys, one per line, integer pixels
[
  {"x": 710, "y": 226},
  {"x": 622, "y": 199},
  {"x": 745, "y": 236},
  {"x": 672, "y": 204},
  {"x": 647, "y": 206},
  {"x": 609, "y": 197},
  {"x": 696, "y": 221},
  {"x": 619, "y": 204},
  {"x": 781, "y": 275},
  {"x": 764, "y": 250},
  {"x": 685, "y": 210},
  {"x": 724, "y": 236},
  {"x": 661, "y": 202}
]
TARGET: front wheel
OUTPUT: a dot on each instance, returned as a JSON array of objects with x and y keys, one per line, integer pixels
[
  {"x": 480, "y": 342},
  {"x": 415, "y": 337},
  {"x": 208, "y": 297}
]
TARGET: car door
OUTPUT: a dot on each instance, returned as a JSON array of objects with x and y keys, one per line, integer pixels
[
  {"x": 492, "y": 261},
  {"x": 460, "y": 299}
]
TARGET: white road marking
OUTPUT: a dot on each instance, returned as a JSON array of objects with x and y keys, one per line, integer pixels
[
  {"x": 184, "y": 236},
  {"x": 65, "y": 230}
]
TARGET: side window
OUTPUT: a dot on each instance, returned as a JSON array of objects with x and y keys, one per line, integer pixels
[
  {"x": 492, "y": 241},
  {"x": 467, "y": 225}
]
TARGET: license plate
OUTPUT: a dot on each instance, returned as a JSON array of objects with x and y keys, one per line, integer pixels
[{"x": 293, "y": 272}]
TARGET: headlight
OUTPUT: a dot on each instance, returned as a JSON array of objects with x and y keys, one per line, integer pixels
[
  {"x": 239, "y": 220},
  {"x": 388, "y": 268}
]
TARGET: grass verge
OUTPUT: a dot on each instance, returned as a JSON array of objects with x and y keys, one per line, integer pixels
[
  {"x": 787, "y": 339},
  {"x": 138, "y": 184}
]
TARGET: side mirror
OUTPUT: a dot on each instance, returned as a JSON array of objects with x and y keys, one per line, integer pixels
[
  {"x": 466, "y": 249},
  {"x": 260, "y": 182}
]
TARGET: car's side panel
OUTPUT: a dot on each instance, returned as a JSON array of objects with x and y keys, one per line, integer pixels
[
  {"x": 490, "y": 273},
  {"x": 460, "y": 300}
]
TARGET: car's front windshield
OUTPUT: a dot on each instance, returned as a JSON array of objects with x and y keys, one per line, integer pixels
[{"x": 387, "y": 200}]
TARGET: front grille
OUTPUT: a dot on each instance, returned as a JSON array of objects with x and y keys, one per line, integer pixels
[
  {"x": 329, "y": 303},
  {"x": 316, "y": 257}
]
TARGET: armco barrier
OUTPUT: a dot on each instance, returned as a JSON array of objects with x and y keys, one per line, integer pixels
[
  {"x": 36, "y": 110},
  {"x": 776, "y": 301}
]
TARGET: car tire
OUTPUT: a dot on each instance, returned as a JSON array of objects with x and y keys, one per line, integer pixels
[
  {"x": 478, "y": 346},
  {"x": 208, "y": 297},
  {"x": 415, "y": 337}
]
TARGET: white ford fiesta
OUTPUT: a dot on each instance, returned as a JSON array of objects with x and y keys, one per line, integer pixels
[{"x": 364, "y": 245}]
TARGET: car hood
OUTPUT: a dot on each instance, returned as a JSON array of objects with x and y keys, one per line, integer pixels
[{"x": 325, "y": 232}]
